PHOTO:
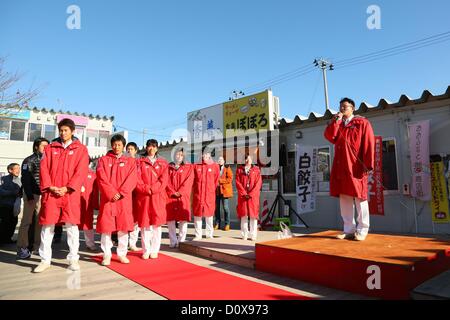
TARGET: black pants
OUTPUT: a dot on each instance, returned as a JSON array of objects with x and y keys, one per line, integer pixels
[
  {"x": 8, "y": 223},
  {"x": 58, "y": 233}
]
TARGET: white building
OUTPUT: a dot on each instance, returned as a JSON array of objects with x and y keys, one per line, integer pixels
[
  {"x": 19, "y": 129},
  {"x": 402, "y": 212}
]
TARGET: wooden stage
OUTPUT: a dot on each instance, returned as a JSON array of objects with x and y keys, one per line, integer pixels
[{"x": 384, "y": 266}]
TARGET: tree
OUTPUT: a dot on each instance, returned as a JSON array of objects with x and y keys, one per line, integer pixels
[{"x": 12, "y": 99}]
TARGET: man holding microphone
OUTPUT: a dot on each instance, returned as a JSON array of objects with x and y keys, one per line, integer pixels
[{"x": 353, "y": 161}]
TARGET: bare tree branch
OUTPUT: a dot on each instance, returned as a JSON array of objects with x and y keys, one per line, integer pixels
[{"x": 12, "y": 99}]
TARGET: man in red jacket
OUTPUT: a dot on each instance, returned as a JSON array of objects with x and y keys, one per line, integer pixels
[
  {"x": 151, "y": 199},
  {"x": 179, "y": 188},
  {"x": 63, "y": 169},
  {"x": 206, "y": 179},
  {"x": 353, "y": 161},
  {"x": 117, "y": 177}
]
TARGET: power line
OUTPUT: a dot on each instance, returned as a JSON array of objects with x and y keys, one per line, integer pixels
[
  {"x": 343, "y": 63},
  {"x": 380, "y": 57},
  {"x": 144, "y": 131},
  {"x": 402, "y": 46}
]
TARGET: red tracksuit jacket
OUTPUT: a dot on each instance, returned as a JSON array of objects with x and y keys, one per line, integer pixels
[
  {"x": 180, "y": 180},
  {"x": 152, "y": 207},
  {"x": 116, "y": 175},
  {"x": 62, "y": 168},
  {"x": 248, "y": 185}
]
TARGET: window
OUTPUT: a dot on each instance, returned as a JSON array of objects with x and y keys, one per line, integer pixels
[
  {"x": 92, "y": 138},
  {"x": 323, "y": 169},
  {"x": 17, "y": 130},
  {"x": 103, "y": 137},
  {"x": 50, "y": 132},
  {"x": 79, "y": 133},
  {"x": 390, "y": 179},
  {"x": 4, "y": 129},
  {"x": 34, "y": 131},
  {"x": 289, "y": 174}
]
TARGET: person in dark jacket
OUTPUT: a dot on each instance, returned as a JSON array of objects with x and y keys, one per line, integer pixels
[
  {"x": 10, "y": 192},
  {"x": 31, "y": 200}
]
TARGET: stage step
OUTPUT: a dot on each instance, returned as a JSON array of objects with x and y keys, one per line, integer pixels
[
  {"x": 437, "y": 288},
  {"x": 230, "y": 250}
]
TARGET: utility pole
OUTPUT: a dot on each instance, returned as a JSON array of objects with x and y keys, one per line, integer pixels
[
  {"x": 235, "y": 94},
  {"x": 144, "y": 132},
  {"x": 324, "y": 65}
]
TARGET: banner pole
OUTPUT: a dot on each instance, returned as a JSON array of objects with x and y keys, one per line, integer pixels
[{"x": 415, "y": 216}]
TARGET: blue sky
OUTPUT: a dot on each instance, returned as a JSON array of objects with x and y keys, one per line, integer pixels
[{"x": 148, "y": 63}]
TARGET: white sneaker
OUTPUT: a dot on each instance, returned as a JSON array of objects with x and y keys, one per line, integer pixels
[
  {"x": 360, "y": 237},
  {"x": 41, "y": 267},
  {"x": 343, "y": 236},
  {"x": 145, "y": 256},
  {"x": 74, "y": 265},
  {"x": 153, "y": 256},
  {"x": 173, "y": 245},
  {"x": 253, "y": 239},
  {"x": 197, "y": 239},
  {"x": 106, "y": 261},
  {"x": 124, "y": 260},
  {"x": 133, "y": 248}
]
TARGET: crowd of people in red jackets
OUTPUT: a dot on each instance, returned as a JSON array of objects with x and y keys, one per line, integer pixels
[{"x": 132, "y": 194}]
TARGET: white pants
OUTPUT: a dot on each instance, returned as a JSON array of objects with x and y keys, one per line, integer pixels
[
  {"x": 73, "y": 240},
  {"x": 182, "y": 227},
  {"x": 253, "y": 228},
  {"x": 198, "y": 227},
  {"x": 134, "y": 235},
  {"x": 107, "y": 244},
  {"x": 151, "y": 239},
  {"x": 348, "y": 214},
  {"x": 89, "y": 238}
]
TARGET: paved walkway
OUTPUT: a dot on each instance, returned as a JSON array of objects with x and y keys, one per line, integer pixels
[{"x": 94, "y": 281}]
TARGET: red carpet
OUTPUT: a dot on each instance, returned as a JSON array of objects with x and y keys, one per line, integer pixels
[{"x": 176, "y": 279}]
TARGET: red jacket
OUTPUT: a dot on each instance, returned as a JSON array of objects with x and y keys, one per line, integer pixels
[
  {"x": 180, "y": 180},
  {"x": 89, "y": 201},
  {"x": 152, "y": 207},
  {"x": 248, "y": 185},
  {"x": 205, "y": 184},
  {"x": 62, "y": 168},
  {"x": 116, "y": 175},
  {"x": 353, "y": 155}
]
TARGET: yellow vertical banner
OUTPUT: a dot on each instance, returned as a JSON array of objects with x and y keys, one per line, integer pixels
[{"x": 439, "y": 199}]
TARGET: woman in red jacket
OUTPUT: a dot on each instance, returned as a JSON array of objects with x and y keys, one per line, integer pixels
[
  {"x": 206, "y": 179},
  {"x": 151, "y": 199},
  {"x": 178, "y": 190},
  {"x": 89, "y": 203},
  {"x": 63, "y": 169},
  {"x": 116, "y": 174},
  {"x": 132, "y": 150},
  {"x": 248, "y": 185}
]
